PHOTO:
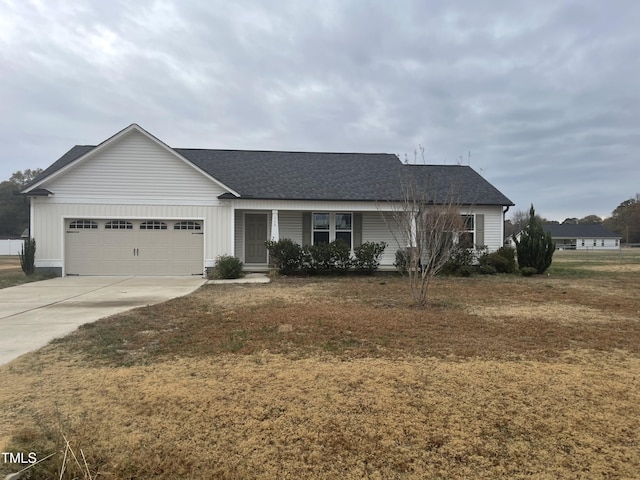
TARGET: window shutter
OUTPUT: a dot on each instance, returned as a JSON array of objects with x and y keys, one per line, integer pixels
[
  {"x": 306, "y": 228},
  {"x": 479, "y": 229},
  {"x": 357, "y": 229}
]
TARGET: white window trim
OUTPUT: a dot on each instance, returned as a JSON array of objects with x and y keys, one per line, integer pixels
[
  {"x": 118, "y": 225},
  {"x": 153, "y": 225},
  {"x": 187, "y": 225},
  {"x": 472, "y": 231},
  {"x": 83, "y": 224},
  {"x": 332, "y": 226}
]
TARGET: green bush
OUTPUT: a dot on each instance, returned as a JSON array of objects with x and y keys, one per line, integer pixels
[
  {"x": 28, "y": 256},
  {"x": 535, "y": 247},
  {"x": 495, "y": 261},
  {"x": 528, "y": 271},
  {"x": 327, "y": 258},
  {"x": 368, "y": 256},
  {"x": 487, "y": 270},
  {"x": 461, "y": 257},
  {"x": 466, "y": 271},
  {"x": 341, "y": 253},
  {"x": 227, "y": 267},
  {"x": 402, "y": 261},
  {"x": 509, "y": 254},
  {"x": 317, "y": 259},
  {"x": 286, "y": 255}
]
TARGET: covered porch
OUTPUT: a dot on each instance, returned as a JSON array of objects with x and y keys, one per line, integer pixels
[{"x": 252, "y": 227}]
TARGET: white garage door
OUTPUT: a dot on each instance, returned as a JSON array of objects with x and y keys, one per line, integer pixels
[{"x": 133, "y": 247}]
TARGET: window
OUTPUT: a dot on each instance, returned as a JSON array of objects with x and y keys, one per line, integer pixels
[
  {"x": 467, "y": 236},
  {"x": 153, "y": 225},
  {"x": 83, "y": 224},
  {"x": 582, "y": 243},
  {"x": 187, "y": 225},
  {"x": 594, "y": 242},
  {"x": 118, "y": 225},
  {"x": 602, "y": 243},
  {"x": 320, "y": 228},
  {"x": 343, "y": 227},
  {"x": 327, "y": 227},
  {"x": 617, "y": 242}
]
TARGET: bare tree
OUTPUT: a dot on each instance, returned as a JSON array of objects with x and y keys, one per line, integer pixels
[
  {"x": 520, "y": 219},
  {"x": 428, "y": 221}
]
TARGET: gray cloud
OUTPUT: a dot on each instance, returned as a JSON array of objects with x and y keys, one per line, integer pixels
[{"x": 543, "y": 94}]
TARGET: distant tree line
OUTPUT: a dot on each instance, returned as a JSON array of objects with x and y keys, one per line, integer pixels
[
  {"x": 14, "y": 208},
  {"x": 624, "y": 220}
]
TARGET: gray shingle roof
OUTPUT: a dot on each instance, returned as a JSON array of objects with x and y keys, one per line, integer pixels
[
  {"x": 73, "y": 154},
  {"x": 300, "y": 175},
  {"x": 324, "y": 176},
  {"x": 459, "y": 182},
  {"x": 568, "y": 230}
]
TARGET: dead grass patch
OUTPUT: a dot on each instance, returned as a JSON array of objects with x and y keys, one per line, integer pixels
[
  {"x": 552, "y": 311},
  {"x": 624, "y": 268},
  {"x": 11, "y": 273},
  {"x": 501, "y": 377},
  {"x": 491, "y": 318},
  {"x": 266, "y": 416}
]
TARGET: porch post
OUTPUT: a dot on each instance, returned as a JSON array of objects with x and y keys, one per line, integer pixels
[
  {"x": 413, "y": 232},
  {"x": 275, "y": 228}
]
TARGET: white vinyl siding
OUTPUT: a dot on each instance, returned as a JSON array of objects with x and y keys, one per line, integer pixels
[
  {"x": 595, "y": 244},
  {"x": 291, "y": 225},
  {"x": 135, "y": 168},
  {"x": 376, "y": 229},
  {"x": 493, "y": 226}
]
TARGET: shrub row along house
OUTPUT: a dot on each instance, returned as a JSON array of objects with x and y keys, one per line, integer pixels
[{"x": 132, "y": 205}]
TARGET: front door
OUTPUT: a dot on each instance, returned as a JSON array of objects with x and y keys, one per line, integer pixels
[{"x": 255, "y": 234}]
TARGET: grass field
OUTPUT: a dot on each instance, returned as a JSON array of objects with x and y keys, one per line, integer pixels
[{"x": 500, "y": 377}]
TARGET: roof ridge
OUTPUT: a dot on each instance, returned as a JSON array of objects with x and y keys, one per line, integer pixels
[{"x": 282, "y": 151}]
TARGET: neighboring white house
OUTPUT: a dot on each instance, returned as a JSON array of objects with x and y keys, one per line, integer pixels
[
  {"x": 569, "y": 236},
  {"x": 582, "y": 237},
  {"x": 135, "y": 206}
]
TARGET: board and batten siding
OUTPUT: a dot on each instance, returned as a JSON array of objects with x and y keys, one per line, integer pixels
[
  {"x": 133, "y": 169},
  {"x": 48, "y": 225}
]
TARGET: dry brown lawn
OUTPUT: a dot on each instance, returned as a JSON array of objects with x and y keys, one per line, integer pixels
[
  {"x": 500, "y": 377},
  {"x": 10, "y": 262},
  {"x": 11, "y": 272}
]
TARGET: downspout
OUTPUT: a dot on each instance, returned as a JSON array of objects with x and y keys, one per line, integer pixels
[
  {"x": 504, "y": 213},
  {"x": 31, "y": 217}
]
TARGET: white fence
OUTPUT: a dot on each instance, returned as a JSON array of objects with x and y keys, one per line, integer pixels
[{"x": 11, "y": 247}]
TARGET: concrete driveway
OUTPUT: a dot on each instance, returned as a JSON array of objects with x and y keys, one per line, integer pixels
[{"x": 33, "y": 314}]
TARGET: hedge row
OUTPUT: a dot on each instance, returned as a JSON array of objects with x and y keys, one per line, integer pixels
[{"x": 326, "y": 258}]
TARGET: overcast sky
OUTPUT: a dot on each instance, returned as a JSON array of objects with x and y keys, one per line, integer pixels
[{"x": 544, "y": 95}]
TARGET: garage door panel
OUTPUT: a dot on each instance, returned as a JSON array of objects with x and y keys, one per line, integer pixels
[{"x": 155, "y": 249}]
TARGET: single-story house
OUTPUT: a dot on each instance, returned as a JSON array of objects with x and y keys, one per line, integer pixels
[
  {"x": 582, "y": 237},
  {"x": 132, "y": 205}
]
